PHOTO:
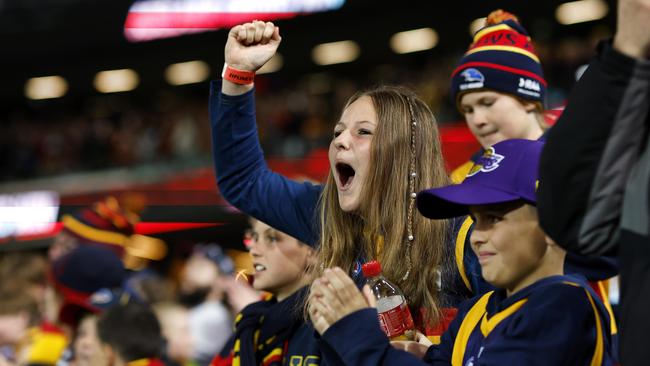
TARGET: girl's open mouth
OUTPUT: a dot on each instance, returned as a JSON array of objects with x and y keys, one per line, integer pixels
[{"x": 345, "y": 174}]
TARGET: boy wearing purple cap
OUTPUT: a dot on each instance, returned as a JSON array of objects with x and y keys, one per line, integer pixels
[{"x": 538, "y": 316}]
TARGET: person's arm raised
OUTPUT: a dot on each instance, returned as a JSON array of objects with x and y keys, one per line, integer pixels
[
  {"x": 248, "y": 48},
  {"x": 244, "y": 179},
  {"x": 633, "y": 34}
]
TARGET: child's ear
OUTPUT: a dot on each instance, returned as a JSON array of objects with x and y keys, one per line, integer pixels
[
  {"x": 311, "y": 256},
  {"x": 530, "y": 107}
]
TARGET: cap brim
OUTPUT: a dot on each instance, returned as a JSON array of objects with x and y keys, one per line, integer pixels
[{"x": 454, "y": 200}]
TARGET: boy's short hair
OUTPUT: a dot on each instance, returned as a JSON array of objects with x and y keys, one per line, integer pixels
[
  {"x": 507, "y": 171},
  {"x": 132, "y": 330}
]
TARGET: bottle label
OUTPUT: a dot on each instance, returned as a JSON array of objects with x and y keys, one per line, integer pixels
[{"x": 394, "y": 322}]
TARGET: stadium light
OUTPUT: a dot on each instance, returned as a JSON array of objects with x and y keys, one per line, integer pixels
[
  {"x": 190, "y": 72},
  {"x": 335, "y": 53},
  {"x": 147, "y": 20},
  {"x": 414, "y": 40},
  {"x": 46, "y": 87},
  {"x": 112, "y": 81},
  {"x": 581, "y": 11}
]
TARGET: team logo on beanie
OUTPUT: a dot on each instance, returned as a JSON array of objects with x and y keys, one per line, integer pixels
[
  {"x": 473, "y": 79},
  {"x": 529, "y": 87},
  {"x": 486, "y": 163},
  {"x": 503, "y": 53}
]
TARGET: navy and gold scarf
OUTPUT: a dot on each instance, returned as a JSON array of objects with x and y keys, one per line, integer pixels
[{"x": 262, "y": 332}]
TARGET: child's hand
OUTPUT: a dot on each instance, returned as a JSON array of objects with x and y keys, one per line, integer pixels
[
  {"x": 238, "y": 292},
  {"x": 251, "y": 45},
  {"x": 418, "y": 348},
  {"x": 335, "y": 295}
]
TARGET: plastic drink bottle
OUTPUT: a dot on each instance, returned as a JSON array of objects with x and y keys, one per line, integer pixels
[{"x": 394, "y": 315}]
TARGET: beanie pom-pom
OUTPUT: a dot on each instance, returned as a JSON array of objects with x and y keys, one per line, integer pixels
[{"x": 499, "y": 16}]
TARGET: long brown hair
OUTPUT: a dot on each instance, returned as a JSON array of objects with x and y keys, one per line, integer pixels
[{"x": 379, "y": 229}]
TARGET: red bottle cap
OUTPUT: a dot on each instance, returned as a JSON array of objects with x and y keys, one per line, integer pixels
[{"x": 371, "y": 269}]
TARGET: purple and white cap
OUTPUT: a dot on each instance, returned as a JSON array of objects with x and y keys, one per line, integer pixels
[{"x": 507, "y": 171}]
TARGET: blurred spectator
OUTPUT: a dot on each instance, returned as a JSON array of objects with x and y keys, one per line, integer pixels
[
  {"x": 130, "y": 333},
  {"x": 111, "y": 225},
  {"x": 87, "y": 346},
  {"x": 150, "y": 287},
  {"x": 23, "y": 303},
  {"x": 201, "y": 290},
  {"x": 183, "y": 138},
  {"x": 25, "y": 270},
  {"x": 86, "y": 280},
  {"x": 18, "y": 315},
  {"x": 175, "y": 327},
  {"x": 108, "y": 133},
  {"x": 104, "y": 223}
]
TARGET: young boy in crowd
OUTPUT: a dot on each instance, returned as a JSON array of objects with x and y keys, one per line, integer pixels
[
  {"x": 23, "y": 294},
  {"x": 18, "y": 319},
  {"x": 86, "y": 280},
  {"x": 87, "y": 347},
  {"x": 499, "y": 87},
  {"x": 174, "y": 322},
  {"x": 130, "y": 335},
  {"x": 538, "y": 316}
]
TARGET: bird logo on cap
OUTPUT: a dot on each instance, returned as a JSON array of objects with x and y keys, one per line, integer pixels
[
  {"x": 472, "y": 75},
  {"x": 486, "y": 163}
]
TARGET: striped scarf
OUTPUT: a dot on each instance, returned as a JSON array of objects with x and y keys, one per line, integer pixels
[{"x": 262, "y": 332}]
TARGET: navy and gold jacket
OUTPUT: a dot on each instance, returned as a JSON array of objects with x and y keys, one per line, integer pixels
[
  {"x": 272, "y": 333},
  {"x": 558, "y": 320}
]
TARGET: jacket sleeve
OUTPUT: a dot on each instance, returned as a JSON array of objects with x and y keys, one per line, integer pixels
[
  {"x": 245, "y": 180},
  {"x": 359, "y": 341},
  {"x": 590, "y": 151}
]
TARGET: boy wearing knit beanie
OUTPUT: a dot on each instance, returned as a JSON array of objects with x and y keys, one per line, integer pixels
[{"x": 499, "y": 86}]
